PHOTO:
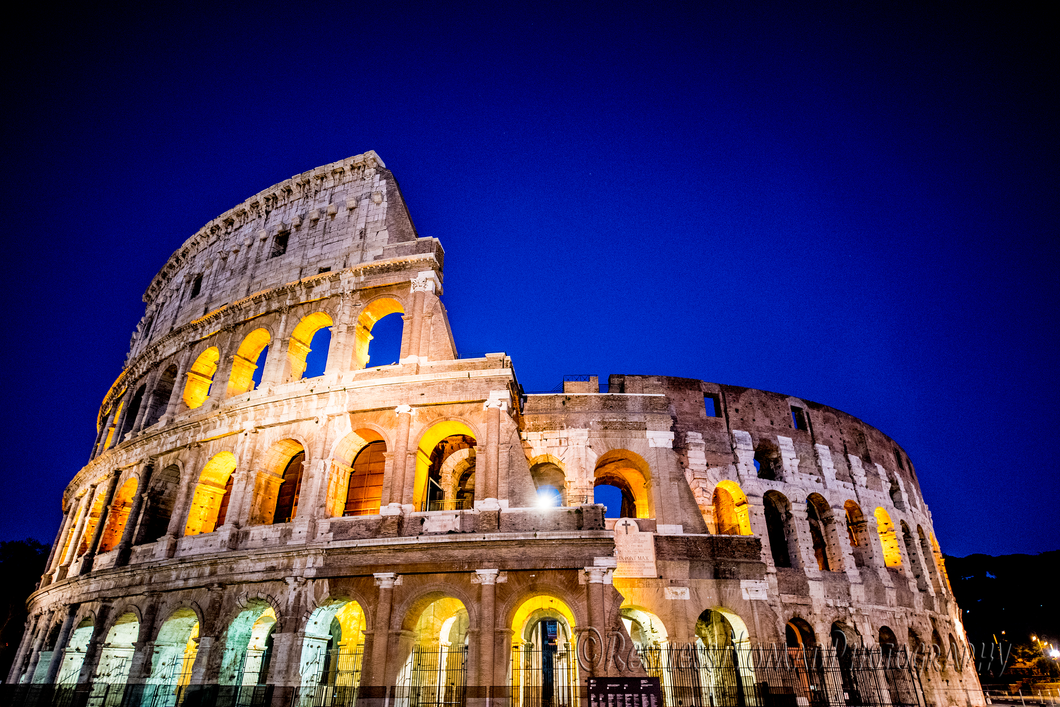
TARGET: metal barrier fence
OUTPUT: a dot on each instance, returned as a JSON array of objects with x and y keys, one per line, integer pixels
[
  {"x": 693, "y": 676},
  {"x": 698, "y": 676}
]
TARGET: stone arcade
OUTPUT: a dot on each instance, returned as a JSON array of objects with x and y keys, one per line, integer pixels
[{"x": 425, "y": 524}]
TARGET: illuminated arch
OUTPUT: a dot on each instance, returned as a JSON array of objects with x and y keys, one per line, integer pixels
[
  {"x": 279, "y": 483},
  {"x": 248, "y": 645},
  {"x": 629, "y": 473},
  {"x": 543, "y": 630},
  {"x": 550, "y": 480},
  {"x": 246, "y": 361},
  {"x": 175, "y": 649},
  {"x": 301, "y": 338},
  {"x": 343, "y": 457},
  {"x": 333, "y": 648},
  {"x": 74, "y": 656},
  {"x": 91, "y": 523},
  {"x": 425, "y": 464},
  {"x": 119, "y": 515},
  {"x": 732, "y": 515},
  {"x": 200, "y": 377},
  {"x": 364, "y": 483},
  {"x": 644, "y": 627},
  {"x": 439, "y": 627},
  {"x": 372, "y": 313},
  {"x": 209, "y": 506},
  {"x": 892, "y": 556},
  {"x": 116, "y": 654}
]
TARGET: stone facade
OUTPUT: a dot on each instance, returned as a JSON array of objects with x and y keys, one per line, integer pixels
[{"x": 241, "y": 523}]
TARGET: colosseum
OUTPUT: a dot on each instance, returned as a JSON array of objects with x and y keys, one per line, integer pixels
[{"x": 254, "y": 528}]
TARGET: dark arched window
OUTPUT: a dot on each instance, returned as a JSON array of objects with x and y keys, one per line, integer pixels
[
  {"x": 287, "y": 497},
  {"x": 776, "y": 513},
  {"x": 222, "y": 510},
  {"x": 365, "y": 490}
]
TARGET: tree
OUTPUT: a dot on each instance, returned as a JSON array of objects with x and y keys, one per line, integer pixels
[{"x": 21, "y": 565}]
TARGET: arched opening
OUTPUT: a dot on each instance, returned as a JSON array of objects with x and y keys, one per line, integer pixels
[
  {"x": 248, "y": 646},
  {"x": 91, "y": 523},
  {"x": 445, "y": 468},
  {"x": 844, "y": 641},
  {"x": 130, "y": 416},
  {"x": 332, "y": 653},
  {"x": 119, "y": 515},
  {"x": 822, "y": 534},
  {"x": 200, "y": 378},
  {"x": 435, "y": 671},
  {"x": 278, "y": 484},
  {"x": 175, "y": 649},
  {"x": 938, "y": 653},
  {"x": 158, "y": 504},
  {"x": 721, "y": 651},
  {"x": 914, "y": 557},
  {"x": 313, "y": 333},
  {"x": 940, "y": 563},
  {"x": 929, "y": 558},
  {"x": 645, "y": 629},
  {"x": 248, "y": 359},
  {"x": 892, "y": 556},
  {"x": 364, "y": 489},
  {"x": 888, "y": 641},
  {"x": 778, "y": 521},
  {"x": 74, "y": 655},
  {"x": 544, "y": 669},
  {"x": 858, "y": 534},
  {"x": 895, "y": 493},
  {"x": 384, "y": 338},
  {"x": 731, "y": 513},
  {"x": 767, "y": 461},
  {"x": 159, "y": 400},
  {"x": 630, "y": 475},
  {"x": 209, "y": 506},
  {"x": 808, "y": 661},
  {"x": 551, "y": 484},
  {"x": 290, "y": 487},
  {"x": 110, "y": 419},
  {"x": 116, "y": 655}
]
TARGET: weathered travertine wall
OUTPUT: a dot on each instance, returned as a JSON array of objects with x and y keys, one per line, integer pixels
[{"x": 239, "y": 522}]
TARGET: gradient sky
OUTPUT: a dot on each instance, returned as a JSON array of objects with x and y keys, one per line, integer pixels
[{"x": 852, "y": 203}]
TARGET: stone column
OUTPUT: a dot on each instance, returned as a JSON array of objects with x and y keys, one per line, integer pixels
[
  {"x": 596, "y": 577},
  {"x": 88, "y": 666},
  {"x": 799, "y": 527},
  {"x": 38, "y": 645},
  {"x": 144, "y": 647},
  {"x": 315, "y": 478},
  {"x": 493, "y": 431},
  {"x": 29, "y": 639},
  {"x": 276, "y": 363},
  {"x": 75, "y": 538},
  {"x": 101, "y": 524},
  {"x": 133, "y": 521},
  {"x": 343, "y": 335},
  {"x": 144, "y": 404},
  {"x": 487, "y": 600},
  {"x": 60, "y": 643},
  {"x": 54, "y": 557},
  {"x": 176, "y": 396},
  {"x": 416, "y": 325},
  {"x": 374, "y": 673},
  {"x": 401, "y": 446}
]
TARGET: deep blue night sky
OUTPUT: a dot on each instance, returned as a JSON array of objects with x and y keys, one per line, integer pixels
[{"x": 852, "y": 203}]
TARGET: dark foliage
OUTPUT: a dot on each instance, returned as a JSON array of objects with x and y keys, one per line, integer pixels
[{"x": 21, "y": 565}]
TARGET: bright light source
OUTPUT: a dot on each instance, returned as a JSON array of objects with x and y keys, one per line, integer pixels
[
  {"x": 548, "y": 497},
  {"x": 1054, "y": 653}
]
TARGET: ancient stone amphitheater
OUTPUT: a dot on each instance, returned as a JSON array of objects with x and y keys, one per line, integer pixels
[{"x": 254, "y": 528}]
